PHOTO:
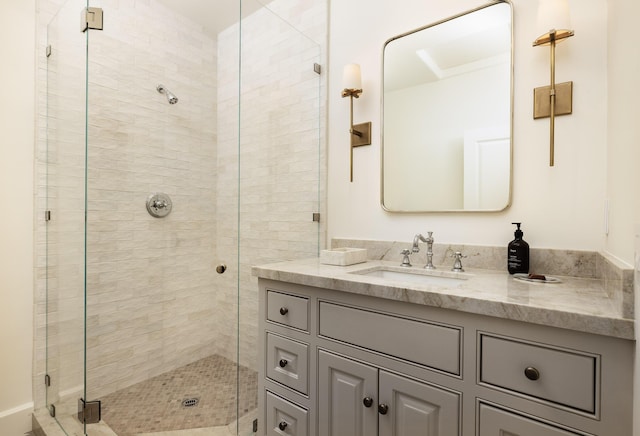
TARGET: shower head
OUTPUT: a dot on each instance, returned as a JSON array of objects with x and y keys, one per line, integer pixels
[{"x": 171, "y": 98}]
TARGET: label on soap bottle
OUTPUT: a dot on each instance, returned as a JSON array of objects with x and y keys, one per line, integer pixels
[
  {"x": 517, "y": 259},
  {"x": 514, "y": 262}
]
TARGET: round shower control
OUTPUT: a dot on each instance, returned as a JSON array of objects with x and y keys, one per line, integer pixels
[{"x": 159, "y": 205}]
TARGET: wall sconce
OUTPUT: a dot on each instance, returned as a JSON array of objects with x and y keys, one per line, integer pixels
[
  {"x": 556, "y": 99},
  {"x": 360, "y": 133}
]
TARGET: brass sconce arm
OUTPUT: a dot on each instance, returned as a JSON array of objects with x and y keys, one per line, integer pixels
[
  {"x": 555, "y": 99},
  {"x": 360, "y": 133}
]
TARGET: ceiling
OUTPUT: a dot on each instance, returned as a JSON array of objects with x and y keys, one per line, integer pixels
[{"x": 213, "y": 15}]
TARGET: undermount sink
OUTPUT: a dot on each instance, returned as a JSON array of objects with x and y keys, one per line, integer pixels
[{"x": 415, "y": 275}]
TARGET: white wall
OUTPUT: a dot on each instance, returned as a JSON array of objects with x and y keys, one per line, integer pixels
[
  {"x": 560, "y": 207},
  {"x": 623, "y": 181},
  {"x": 623, "y": 157},
  {"x": 17, "y": 75}
]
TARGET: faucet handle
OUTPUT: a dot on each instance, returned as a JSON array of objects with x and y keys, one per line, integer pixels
[
  {"x": 457, "y": 263},
  {"x": 406, "y": 262}
]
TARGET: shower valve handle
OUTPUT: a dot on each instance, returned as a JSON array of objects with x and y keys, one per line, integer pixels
[{"x": 160, "y": 204}]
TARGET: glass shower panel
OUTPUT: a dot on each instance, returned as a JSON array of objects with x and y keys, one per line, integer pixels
[
  {"x": 279, "y": 159},
  {"x": 158, "y": 353},
  {"x": 65, "y": 199}
]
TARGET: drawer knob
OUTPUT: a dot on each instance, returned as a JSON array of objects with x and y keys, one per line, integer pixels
[
  {"x": 531, "y": 373},
  {"x": 284, "y": 311},
  {"x": 383, "y": 409},
  {"x": 283, "y": 363},
  {"x": 368, "y": 402},
  {"x": 282, "y": 425}
]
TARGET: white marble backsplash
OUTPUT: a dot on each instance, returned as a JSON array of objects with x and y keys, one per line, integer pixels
[{"x": 617, "y": 277}]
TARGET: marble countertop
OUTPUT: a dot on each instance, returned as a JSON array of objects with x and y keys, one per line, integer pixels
[{"x": 579, "y": 304}]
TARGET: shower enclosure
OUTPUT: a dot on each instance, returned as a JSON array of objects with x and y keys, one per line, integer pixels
[{"x": 179, "y": 145}]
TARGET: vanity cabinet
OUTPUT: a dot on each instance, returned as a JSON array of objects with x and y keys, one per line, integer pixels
[
  {"x": 336, "y": 363},
  {"x": 357, "y": 399}
]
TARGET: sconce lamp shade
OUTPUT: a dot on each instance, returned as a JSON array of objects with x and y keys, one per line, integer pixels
[
  {"x": 351, "y": 78},
  {"x": 553, "y": 15}
]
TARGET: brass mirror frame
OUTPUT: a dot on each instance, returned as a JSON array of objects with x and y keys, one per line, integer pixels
[{"x": 511, "y": 113}]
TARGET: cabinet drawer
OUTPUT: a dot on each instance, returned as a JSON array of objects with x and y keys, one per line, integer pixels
[
  {"x": 288, "y": 309},
  {"x": 494, "y": 422},
  {"x": 285, "y": 418},
  {"x": 560, "y": 376},
  {"x": 287, "y": 362},
  {"x": 429, "y": 344}
]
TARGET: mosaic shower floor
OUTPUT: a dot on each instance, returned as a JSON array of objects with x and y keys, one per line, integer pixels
[{"x": 156, "y": 405}]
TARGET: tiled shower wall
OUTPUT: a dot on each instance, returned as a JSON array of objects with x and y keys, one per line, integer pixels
[
  {"x": 150, "y": 281},
  {"x": 154, "y": 300}
]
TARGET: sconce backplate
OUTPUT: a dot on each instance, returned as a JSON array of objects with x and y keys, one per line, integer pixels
[
  {"x": 542, "y": 102},
  {"x": 365, "y": 134}
]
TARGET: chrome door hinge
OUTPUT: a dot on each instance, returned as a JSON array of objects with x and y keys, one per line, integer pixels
[
  {"x": 47, "y": 380},
  {"x": 89, "y": 411},
  {"x": 52, "y": 410},
  {"x": 47, "y": 215},
  {"x": 91, "y": 18},
  {"x": 48, "y": 52},
  {"x": 317, "y": 68},
  {"x": 316, "y": 217}
]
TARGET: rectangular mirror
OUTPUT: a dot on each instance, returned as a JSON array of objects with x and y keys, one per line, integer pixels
[{"x": 447, "y": 114}]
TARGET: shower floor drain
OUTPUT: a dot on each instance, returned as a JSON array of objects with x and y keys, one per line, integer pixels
[{"x": 190, "y": 402}]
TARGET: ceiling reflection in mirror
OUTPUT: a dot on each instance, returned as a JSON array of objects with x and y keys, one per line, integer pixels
[{"x": 447, "y": 115}]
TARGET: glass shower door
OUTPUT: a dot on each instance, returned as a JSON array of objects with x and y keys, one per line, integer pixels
[
  {"x": 280, "y": 156},
  {"x": 61, "y": 165},
  {"x": 151, "y": 312}
]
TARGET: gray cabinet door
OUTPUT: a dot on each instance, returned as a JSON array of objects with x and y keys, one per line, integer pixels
[
  {"x": 416, "y": 409},
  {"x": 347, "y": 395}
]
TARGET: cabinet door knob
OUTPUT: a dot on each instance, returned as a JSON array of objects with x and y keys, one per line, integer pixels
[
  {"x": 383, "y": 409},
  {"x": 368, "y": 402},
  {"x": 284, "y": 311},
  {"x": 282, "y": 425},
  {"x": 283, "y": 363},
  {"x": 531, "y": 373}
]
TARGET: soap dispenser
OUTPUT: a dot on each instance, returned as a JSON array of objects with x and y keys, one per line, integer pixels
[{"x": 518, "y": 253}]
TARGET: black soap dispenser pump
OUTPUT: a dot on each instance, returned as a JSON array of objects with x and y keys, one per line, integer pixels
[{"x": 518, "y": 253}]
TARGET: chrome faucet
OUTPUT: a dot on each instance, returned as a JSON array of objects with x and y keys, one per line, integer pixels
[
  {"x": 457, "y": 262},
  {"x": 406, "y": 262},
  {"x": 429, "y": 241}
]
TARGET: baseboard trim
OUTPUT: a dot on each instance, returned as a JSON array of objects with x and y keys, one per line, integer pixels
[{"x": 16, "y": 421}]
